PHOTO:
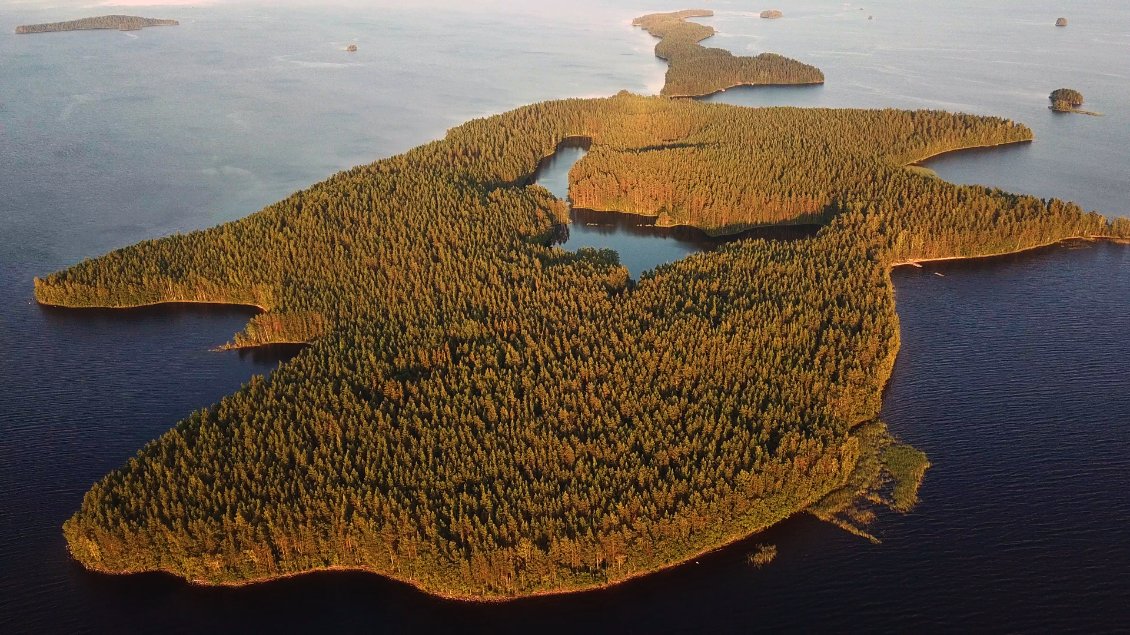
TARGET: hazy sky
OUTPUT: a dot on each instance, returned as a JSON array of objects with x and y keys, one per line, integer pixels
[
  {"x": 14, "y": 12},
  {"x": 110, "y": 4}
]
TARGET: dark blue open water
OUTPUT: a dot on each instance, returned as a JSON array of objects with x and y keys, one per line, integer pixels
[{"x": 1013, "y": 374}]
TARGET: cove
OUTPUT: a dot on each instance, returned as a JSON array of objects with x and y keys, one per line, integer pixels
[{"x": 642, "y": 245}]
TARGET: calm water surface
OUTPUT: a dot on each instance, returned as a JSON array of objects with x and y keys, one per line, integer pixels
[
  {"x": 986, "y": 58},
  {"x": 1013, "y": 373}
]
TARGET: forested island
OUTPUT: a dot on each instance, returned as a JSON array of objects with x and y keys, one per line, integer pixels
[
  {"x": 485, "y": 416},
  {"x": 694, "y": 70},
  {"x": 1065, "y": 99},
  {"x": 119, "y": 22},
  {"x": 1068, "y": 100}
]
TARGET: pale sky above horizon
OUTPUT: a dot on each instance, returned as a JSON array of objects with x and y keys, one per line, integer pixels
[
  {"x": 51, "y": 10},
  {"x": 81, "y": 4}
]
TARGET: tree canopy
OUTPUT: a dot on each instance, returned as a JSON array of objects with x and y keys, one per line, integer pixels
[
  {"x": 1066, "y": 99},
  {"x": 483, "y": 415},
  {"x": 695, "y": 70}
]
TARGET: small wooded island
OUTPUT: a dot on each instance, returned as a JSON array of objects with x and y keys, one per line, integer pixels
[
  {"x": 1069, "y": 100},
  {"x": 695, "y": 70},
  {"x": 1065, "y": 99},
  {"x": 771, "y": 14},
  {"x": 119, "y": 22}
]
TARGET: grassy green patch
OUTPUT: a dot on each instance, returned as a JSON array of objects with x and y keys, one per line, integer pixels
[
  {"x": 762, "y": 555},
  {"x": 906, "y": 466}
]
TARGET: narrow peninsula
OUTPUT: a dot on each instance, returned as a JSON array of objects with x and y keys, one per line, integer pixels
[
  {"x": 695, "y": 70},
  {"x": 118, "y": 22},
  {"x": 485, "y": 416}
]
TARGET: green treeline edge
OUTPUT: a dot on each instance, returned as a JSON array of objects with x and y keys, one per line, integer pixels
[
  {"x": 485, "y": 416},
  {"x": 694, "y": 70}
]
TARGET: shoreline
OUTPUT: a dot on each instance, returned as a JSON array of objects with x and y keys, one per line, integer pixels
[
  {"x": 712, "y": 232},
  {"x": 147, "y": 305},
  {"x": 416, "y": 585},
  {"x": 104, "y": 28},
  {"x": 1075, "y": 111},
  {"x": 919, "y": 162},
  {"x": 570, "y": 141},
  {"x": 918, "y": 262},
  {"x": 247, "y": 347},
  {"x": 741, "y": 85},
  {"x": 165, "y": 303}
]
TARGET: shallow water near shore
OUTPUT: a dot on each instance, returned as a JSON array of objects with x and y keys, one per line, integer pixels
[{"x": 1012, "y": 377}]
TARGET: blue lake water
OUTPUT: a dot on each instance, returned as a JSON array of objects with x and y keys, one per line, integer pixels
[{"x": 1013, "y": 373}]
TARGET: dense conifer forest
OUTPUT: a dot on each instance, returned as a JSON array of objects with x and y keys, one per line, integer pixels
[
  {"x": 694, "y": 70},
  {"x": 484, "y": 415},
  {"x": 1065, "y": 99}
]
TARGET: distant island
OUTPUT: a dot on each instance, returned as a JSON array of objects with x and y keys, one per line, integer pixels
[
  {"x": 352, "y": 48},
  {"x": 695, "y": 70},
  {"x": 119, "y": 22},
  {"x": 1068, "y": 100},
  {"x": 1065, "y": 99},
  {"x": 771, "y": 14}
]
